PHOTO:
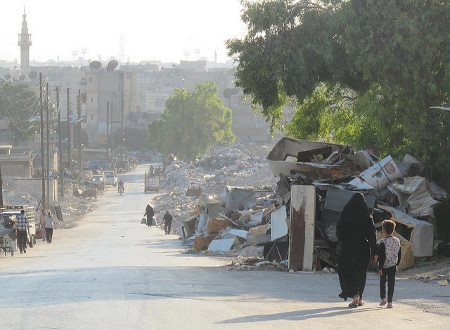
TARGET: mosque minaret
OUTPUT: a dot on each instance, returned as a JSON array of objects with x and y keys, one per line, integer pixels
[{"x": 24, "y": 43}]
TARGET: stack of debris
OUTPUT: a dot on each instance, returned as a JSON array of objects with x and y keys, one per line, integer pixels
[{"x": 244, "y": 217}]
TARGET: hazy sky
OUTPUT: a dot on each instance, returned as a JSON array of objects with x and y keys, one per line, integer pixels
[{"x": 165, "y": 30}]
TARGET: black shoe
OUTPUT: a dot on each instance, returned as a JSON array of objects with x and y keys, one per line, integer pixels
[{"x": 24, "y": 251}]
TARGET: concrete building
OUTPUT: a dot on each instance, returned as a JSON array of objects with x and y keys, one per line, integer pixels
[{"x": 110, "y": 98}]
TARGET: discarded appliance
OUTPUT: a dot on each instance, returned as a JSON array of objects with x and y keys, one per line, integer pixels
[
  {"x": 327, "y": 161},
  {"x": 414, "y": 196},
  {"x": 378, "y": 176},
  {"x": 420, "y": 232}
]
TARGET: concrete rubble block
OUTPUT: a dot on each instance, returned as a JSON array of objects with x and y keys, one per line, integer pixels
[
  {"x": 258, "y": 239},
  {"x": 259, "y": 230},
  {"x": 201, "y": 242},
  {"x": 216, "y": 224}
]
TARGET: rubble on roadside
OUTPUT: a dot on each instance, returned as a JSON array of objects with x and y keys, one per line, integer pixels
[
  {"x": 228, "y": 198},
  {"x": 71, "y": 206}
]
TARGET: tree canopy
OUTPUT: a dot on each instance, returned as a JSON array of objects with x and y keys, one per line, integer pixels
[
  {"x": 192, "y": 123},
  {"x": 363, "y": 72},
  {"x": 19, "y": 103}
]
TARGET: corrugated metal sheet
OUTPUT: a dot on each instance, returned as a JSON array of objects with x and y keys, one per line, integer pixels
[{"x": 414, "y": 196}]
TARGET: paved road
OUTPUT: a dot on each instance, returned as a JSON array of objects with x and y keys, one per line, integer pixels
[{"x": 111, "y": 272}]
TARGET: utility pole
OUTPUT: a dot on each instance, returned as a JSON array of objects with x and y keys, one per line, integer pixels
[
  {"x": 42, "y": 142},
  {"x": 1, "y": 187},
  {"x": 80, "y": 167},
  {"x": 61, "y": 166},
  {"x": 68, "y": 128},
  {"x": 47, "y": 115},
  {"x": 121, "y": 120},
  {"x": 107, "y": 128}
]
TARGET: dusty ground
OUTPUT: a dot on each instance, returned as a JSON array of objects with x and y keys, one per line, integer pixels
[{"x": 433, "y": 269}]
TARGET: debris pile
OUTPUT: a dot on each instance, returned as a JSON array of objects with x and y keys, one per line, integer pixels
[{"x": 236, "y": 198}]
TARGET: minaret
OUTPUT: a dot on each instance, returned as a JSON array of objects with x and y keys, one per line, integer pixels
[{"x": 24, "y": 43}]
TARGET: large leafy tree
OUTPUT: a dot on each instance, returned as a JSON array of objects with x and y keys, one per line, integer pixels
[
  {"x": 192, "y": 123},
  {"x": 19, "y": 103},
  {"x": 394, "y": 55},
  {"x": 285, "y": 53}
]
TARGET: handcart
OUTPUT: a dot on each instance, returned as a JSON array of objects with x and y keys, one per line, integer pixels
[
  {"x": 151, "y": 182},
  {"x": 10, "y": 212},
  {"x": 8, "y": 240}
]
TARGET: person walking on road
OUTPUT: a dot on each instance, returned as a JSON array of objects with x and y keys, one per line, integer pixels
[
  {"x": 150, "y": 214},
  {"x": 50, "y": 223},
  {"x": 389, "y": 256},
  {"x": 167, "y": 222},
  {"x": 42, "y": 224},
  {"x": 23, "y": 229},
  {"x": 356, "y": 231}
]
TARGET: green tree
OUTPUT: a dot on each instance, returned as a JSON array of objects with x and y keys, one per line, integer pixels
[
  {"x": 192, "y": 123},
  {"x": 19, "y": 103},
  {"x": 393, "y": 55},
  {"x": 285, "y": 53}
]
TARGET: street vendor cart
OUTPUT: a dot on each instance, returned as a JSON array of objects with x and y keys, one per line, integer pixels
[
  {"x": 8, "y": 244},
  {"x": 151, "y": 181},
  {"x": 9, "y": 213}
]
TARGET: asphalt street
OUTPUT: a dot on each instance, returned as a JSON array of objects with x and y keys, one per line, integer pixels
[{"x": 112, "y": 272}]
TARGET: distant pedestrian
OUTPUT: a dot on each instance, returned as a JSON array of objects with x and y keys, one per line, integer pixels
[
  {"x": 50, "y": 223},
  {"x": 167, "y": 222},
  {"x": 22, "y": 226},
  {"x": 42, "y": 223},
  {"x": 150, "y": 214},
  {"x": 389, "y": 256}
]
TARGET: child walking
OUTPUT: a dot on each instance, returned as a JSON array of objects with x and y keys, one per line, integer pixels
[{"x": 389, "y": 256}]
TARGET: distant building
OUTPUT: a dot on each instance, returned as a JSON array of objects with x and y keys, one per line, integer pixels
[{"x": 110, "y": 97}]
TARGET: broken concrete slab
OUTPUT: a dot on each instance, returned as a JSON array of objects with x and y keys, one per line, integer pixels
[
  {"x": 278, "y": 224},
  {"x": 221, "y": 245},
  {"x": 239, "y": 233}
]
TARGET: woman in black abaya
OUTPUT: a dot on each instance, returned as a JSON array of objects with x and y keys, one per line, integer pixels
[{"x": 356, "y": 231}]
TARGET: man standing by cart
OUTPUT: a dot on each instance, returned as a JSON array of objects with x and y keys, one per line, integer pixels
[{"x": 23, "y": 229}]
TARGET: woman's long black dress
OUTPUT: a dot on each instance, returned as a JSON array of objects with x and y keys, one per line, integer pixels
[{"x": 356, "y": 230}]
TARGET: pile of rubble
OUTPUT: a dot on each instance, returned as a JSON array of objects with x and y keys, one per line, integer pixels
[
  {"x": 17, "y": 192},
  {"x": 235, "y": 199},
  {"x": 240, "y": 165}
]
